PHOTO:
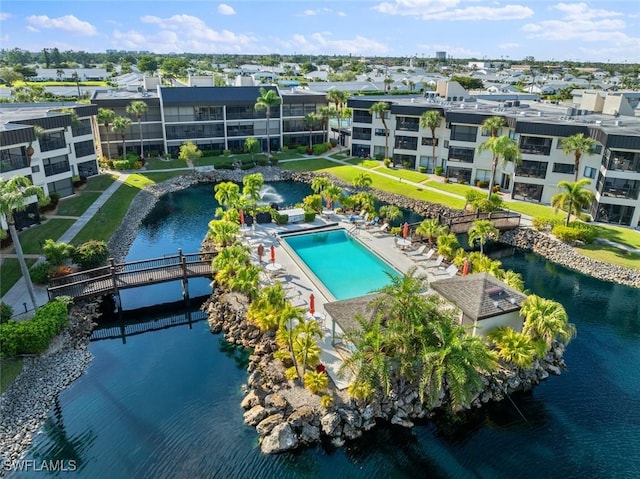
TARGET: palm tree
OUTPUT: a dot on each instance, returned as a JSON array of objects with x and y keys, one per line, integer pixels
[
  {"x": 251, "y": 186},
  {"x": 251, "y": 145},
  {"x": 246, "y": 281},
  {"x": 227, "y": 193},
  {"x": 310, "y": 120},
  {"x": 319, "y": 184},
  {"x": 572, "y": 197},
  {"x": 338, "y": 98},
  {"x": 189, "y": 152},
  {"x": 362, "y": 180},
  {"x": 13, "y": 196},
  {"x": 267, "y": 100},
  {"x": 431, "y": 228},
  {"x": 223, "y": 232},
  {"x": 105, "y": 117},
  {"x": 481, "y": 232},
  {"x": 138, "y": 108},
  {"x": 380, "y": 108},
  {"x": 577, "y": 144},
  {"x": 501, "y": 147},
  {"x": 120, "y": 126},
  {"x": 325, "y": 113},
  {"x": 305, "y": 346},
  {"x": 513, "y": 280},
  {"x": 512, "y": 346},
  {"x": 431, "y": 119},
  {"x": 389, "y": 213},
  {"x": 447, "y": 245},
  {"x": 546, "y": 320}
]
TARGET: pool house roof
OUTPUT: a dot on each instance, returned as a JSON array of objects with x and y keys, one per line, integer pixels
[{"x": 344, "y": 312}]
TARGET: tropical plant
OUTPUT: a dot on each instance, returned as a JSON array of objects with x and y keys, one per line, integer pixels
[
  {"x": 447, "y": 245},
  {"x": 252, "y": 145},
  {"x": 305, "y": 346},
  {"x": 227, "y": 193},
  {"x": 267, "y": 100},
  {"x": 379, "y": 109},
  {"x": 502, "y": 147},
  {"x": 251, "y": 186},
  {"x": 312, "y": 203},
  {"x": 106, "y": 117},
  {"x": 120, "y": 126},
  {"x": 311, "y": 121},
  {"x": 431, "y": 229},
  {"x": 513, "y": 280},
  {"x": 263, "y": 311},
  {"x": 338, "y": 98},
  {"x": 389, "y": 213},
  {"x": 431, "y": 119},
  {"x": 332, "y": 193},
  {"x": 14, "y": 194},
  {"x": 546, "y": 320},
  {"x": 189, "y": 152},
  {"x": 223, "y": 232},
  {"x": 55, "y": 253},
  {"x": 482, "y": 231},
  {"x": 246, "y": 280},
  {"x": 512, "y": 346},
  {"x": 579, "y": 145},
  {"x": 91, "y": 254},
  {"x": 138, "y": 108},
  {"x": 319, "y": 184},
  {"x": 325, "y": 113},
  {"x": 362, "y": 181},
  {"x": 316, "y": 381},
  {"x": 572, "y": 198}
]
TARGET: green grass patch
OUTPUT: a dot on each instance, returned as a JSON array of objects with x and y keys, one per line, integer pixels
[
  {"x": 159, "y": 177},
  {"x": 455, "y": 188},
  {"x": 369, "y": 164},
  {"x": 75, "y": 206},
  {"x": 10, "y": 273},
  {"x": 32, "y": 238},
  {"x": 9, "y": 370},
  {"x": 288, "y": 155},
  {"x": 409, "y": 175},
  {"x": 611, "y": 254},
  {"x": 626, "y": 236},
  {"x": 534, "y": 210},
  {"x": 307, "y": 164},
  {"x": 159, "y": 164},
  {"x": 100, "y": 182}
]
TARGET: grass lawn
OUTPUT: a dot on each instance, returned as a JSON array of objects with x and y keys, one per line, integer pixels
[
  {"x": 308, "y": 164},
  {"x": 10, "y": 273},
  {"x": 77, "y": 205},
  {"x": 32, "y": 238},
  {"x": 455, "y": 188},
  {"x": 409, "y": 175},
  {"x": 534, "y": 209},
  {"x": 288, "y": 155},
  {"x": 370, "y": 164},
  {"x": 9, "y": 370},
  {"x": 100, "y": 182},
  {"x": 610, "y": 254},
  {"x": 158, "y": 164},
  {"x": 619, "y": 235}
]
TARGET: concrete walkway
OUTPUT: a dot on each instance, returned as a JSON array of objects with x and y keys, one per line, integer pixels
[{"x": 18, "y": 296}]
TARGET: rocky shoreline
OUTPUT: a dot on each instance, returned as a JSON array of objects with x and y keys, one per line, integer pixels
[{"x": 287, "y": 416}]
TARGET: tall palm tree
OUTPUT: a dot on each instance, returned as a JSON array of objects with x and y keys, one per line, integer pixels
[
  {"x": 431, "y": 228},
  {"x": 579, "y": 145},
  {"x": 481, "y": 232},
  {"x": 13, "y": 196},
  {"x": 305, "y": 344},
  {"x": 325, "y": 113},
  {"x": 120, "y": 126},
  {"x": 502, "y": 147},
  {"x": 338, "y": 98},
  {"x": 267, "y": 100},
  {"x": 106, "y": 117},
  {"x": 380, "y": 108},
  {"x": 389, "y": 213},
  {"x": 227, "y": 193},
  {"x": 546, "y": 320},
  {"x": 431, "y": 119},
  {"x": 311, "y": 121},
  {"x": 319, "y": 184},
  {"x": 251, "y": 186},
  {"x": 572, "y": 197},
  {"x": 138, "y": 108},
  {"x": 362, "y": 180},
  {"x": 494, "y": 125}
]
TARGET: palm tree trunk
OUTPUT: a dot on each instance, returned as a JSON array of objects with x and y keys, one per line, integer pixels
[
  {"x": 141, "y": 144},
  {"x": 108, "y": 142},
  {"x": 494, "y": 165},
  {"x": 569, "y": 213},
  {"x": 433, "y": 148},
  {"x": 268, "y": 137},
  {"x": 386, "y": 137},
  {"x": 21, "y": 261}
]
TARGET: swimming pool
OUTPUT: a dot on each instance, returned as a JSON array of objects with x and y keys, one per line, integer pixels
[{"x": 345, "y": 267}]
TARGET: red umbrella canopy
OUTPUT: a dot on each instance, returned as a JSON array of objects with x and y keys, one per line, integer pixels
[
  {"x": 465, "y": 268},
  {"x": 405, "y": 230},
  {"x": 312, "y": 304},
  {"x": 241, "y": 217},
  {"x": 328, "y": 200},
  {"x": 260, "y": 251},
  {"x": 273, "y": 254}
]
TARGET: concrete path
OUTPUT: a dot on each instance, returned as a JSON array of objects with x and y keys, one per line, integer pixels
[{"x": 18, "y": 296}]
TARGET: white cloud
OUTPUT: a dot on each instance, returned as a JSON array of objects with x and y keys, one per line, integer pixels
[
  {"x": 32, "y": 29},
  {"x": 508, "y": 46},
  {"x": 342, "y": 14},
  {"x": 309, "y": 12},
  {"x": 4, "y": 16},
  {"x": 415, "y": 8},
  {"x": 68, "y": 23},
  {"x": 459, "y": 52},
  {"x": 194, "y": 31},
  {"x": 448, "y": 10},
  {"x": 320, "y": 43},
  {"x": 224, "y": 9}
]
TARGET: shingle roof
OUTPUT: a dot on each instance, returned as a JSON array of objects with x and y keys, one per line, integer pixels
[
  {"x": 344, "y": 312},
  {"x": 479, "y": 295}
]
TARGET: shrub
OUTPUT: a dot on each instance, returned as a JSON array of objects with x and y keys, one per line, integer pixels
[
  {"x": 6, "y": 311},
  {"x": 496, "y": 188},
  {"x": 54, "y": 198},
  {"x": 262, "y": 161},
  {"x": 39, "y": 272},
  {"x": 587, "y": 233},
  {"x": 422, "y": 169},
  {"x": 544, "y": 224},
  {"x": 326, "y": 400},
  {"x": 274, "y": 161},
  {"x": 56, "y": 253},
  {"x": 320, "y": 148},
  {"x": 566, "y": 234},
  {"x": 61, "y": 270},
  {"x": 387, "y": 162},
  {"x": 482, "y": 184},
  {"x": 123, "y": 164},
  {"x": 226, "y": 152},
  {"x": 301, "y": 149},
  {"x": 285, "y": 148},
  {"x": 91, "y": 254},
  {"x": 438, "y": 170},
  {"x": 332, "y": 143},
  {"x": 309, "y": 216},
  {"x": 34, "y": 335},
  {"x": 316, "y": 381},
  {"x": 281, "y": 219}
]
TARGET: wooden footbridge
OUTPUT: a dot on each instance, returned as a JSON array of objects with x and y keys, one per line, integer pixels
[{"x": 114, "y": 277}]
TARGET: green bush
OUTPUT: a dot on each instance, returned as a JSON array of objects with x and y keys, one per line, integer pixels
[
  {"x": 319, "y": 149},
  {"x": 542, "y": 223},
  {"x": 39, "y": 272},
  {"x": 6, "y": 312},
  {"x": 438, "y": 170},
  {"x": 124, "y": 164},
  {"x": 587, "y": 233},
  {"x": 422, "y": 169},
  {"x": 226, "y": 152},
  {"x": 91, "y": 254},
  {"x": 482, "y": 184},
  {"x": 301, "y": 149},
  {"x": 262, "y": 161},
  {"x": 566, "y": 234},
  {"x": 309, "y": 216},
  {"x": 281, "y": 219},
  {"x": 33, "y": 336},
  {"x": 274, "y": 161},
  {"x": 576, "y": 231},
  {"x": 56, "y": 252}
]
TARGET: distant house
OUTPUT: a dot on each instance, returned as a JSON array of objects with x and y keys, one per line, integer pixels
[{"x": 484, "y": 302}]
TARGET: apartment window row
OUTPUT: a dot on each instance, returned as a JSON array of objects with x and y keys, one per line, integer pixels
[
  {"x": 362, "y": 116},
  {"x": 359, "y": 133},
  {"x": 406, "y": 123},
  {"x": 535, "y": 145},
  {"x": 406, "y": 142},
  {"x": 381, "y": 132},
  {"x": 464, "y": 133},
  {"x": 208, "y": 113},
  {"x": 464, "y": 155},
  {"x": 56, "y": 165},
  {"x": 532, "y": 169},
  {"x": 240, "y": 130},
  {"x": 82, "y": 127},
  {"x": 249, "y": 112},
  {"x": 461, "y": 175},
  {"x": 428, "y": 141},
  {"x": 360, "y": 151},
  {"x": 298, "y": 109},
  {"x": 52, "y": 141},
  {"x": 13, "y": 159},
  {"x": 564, "y": 168},
  {"x": 408, "y": 161},
  {"x": 84, "y": 148},
  {"x": 526, "y": 191},
  {"x": 623, "y": 160},
  {"x": 618, "y": 187},
  {"x": 176, "y": 132}
]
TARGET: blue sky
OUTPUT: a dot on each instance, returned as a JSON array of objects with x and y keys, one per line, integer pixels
[{"x": 605, "y": 30}]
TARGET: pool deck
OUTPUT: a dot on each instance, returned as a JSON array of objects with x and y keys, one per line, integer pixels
[{"x": 300, "y": 286}]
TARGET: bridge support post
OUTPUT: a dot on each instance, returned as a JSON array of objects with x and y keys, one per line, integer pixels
[
  {"x": 114, "y": 281},
  {"x": 185, "y": 278}
]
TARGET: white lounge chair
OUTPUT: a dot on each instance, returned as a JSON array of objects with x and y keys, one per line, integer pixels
[
  {"x": 449, "y": 272},
  {"x": 424, "y": 257},
  {"x": 418, "y": 251},
  {"x": 434, "y": 264},
  {"x": 384, "y": 229}
]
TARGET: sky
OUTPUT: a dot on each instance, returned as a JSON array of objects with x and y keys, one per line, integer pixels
[{"x": 602, "y": 31}]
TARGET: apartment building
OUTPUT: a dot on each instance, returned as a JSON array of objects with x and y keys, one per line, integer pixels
[
  {"x": 538, "y": 129},
  {"x": 214, "y": 118},
  {"x": 48, "y": 143}
]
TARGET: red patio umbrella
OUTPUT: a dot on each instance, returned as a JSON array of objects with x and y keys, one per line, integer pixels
[
  {"x": 405, "y": 230},
  {"x": 273, "y": 254},
  {"x": 312, "y": 304},
  {"x": 260, "y": 251},
  {"x": 241, "y": 217},
  {"x": 465, "y": 267},
  {"x": 328, "y": 200}
]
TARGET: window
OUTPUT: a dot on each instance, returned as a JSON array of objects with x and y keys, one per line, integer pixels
[
  {"x": 525, "y": 191},
  {"x": 590, "y": 172},
  {"x": 83, "y": 127},
  {"x": 55, "y": 165},
  {"x": 360, "y": 151},
  {"x": 52, "y": 141},
  {"x": 361, "y": 133},
  {"x": 565, "y": 168},
  {"x": 461, "y": 175},
  {"x": 84, "y": 148},
  {"x": 206, "y": 113},
  {"x": 408, "y": 161},
  {"x": 532, "y": 169},
  {"x": 534, "y": 145},
  {"x": 35, "y": 169},
  {"x": 240, "y": 130},
  {"x": 13, "y": 159},
  {"x": 464, "y": 133},
  {"x": 407, "y": 142},
  {"x": 62, "y": 187},
  {"x": 380, "y": 132},
  {"x": 426, "y": 141},
  {"x": 378, "y": 152},
  {"x": 361, "y": 116},
  {"x": 464, "y": 155},
  {"x": 405, "y": 123},
  {"x": 483, "y": 175}
]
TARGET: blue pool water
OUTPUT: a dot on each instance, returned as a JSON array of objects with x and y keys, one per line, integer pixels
[{"x": 341, "y": 262}]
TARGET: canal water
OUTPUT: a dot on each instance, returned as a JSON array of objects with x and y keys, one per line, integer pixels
[{"x": 166, "y": 403}]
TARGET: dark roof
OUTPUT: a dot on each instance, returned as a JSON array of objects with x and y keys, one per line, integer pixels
[
  {"x": 214, "y": 95},
  {"x": 344, "y": 312},
  {"x": 479, "y": 295}
]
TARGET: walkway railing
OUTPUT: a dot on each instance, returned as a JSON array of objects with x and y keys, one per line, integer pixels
[{"x": 503, "y": 220}]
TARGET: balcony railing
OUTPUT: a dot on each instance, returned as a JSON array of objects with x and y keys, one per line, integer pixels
[{"x": 56, "y": 168}]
